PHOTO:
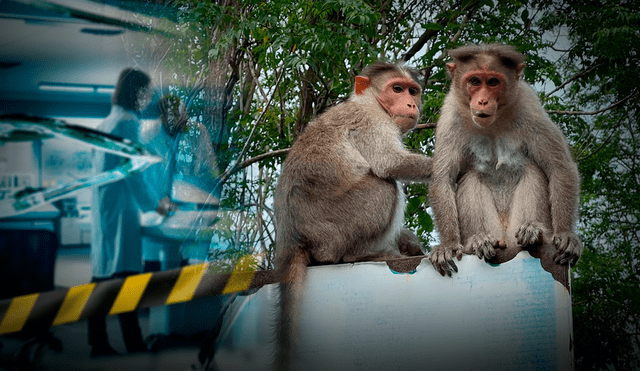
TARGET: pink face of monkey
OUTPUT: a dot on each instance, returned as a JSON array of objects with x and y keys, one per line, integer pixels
[
  {"x": 486, "y": 90},
  {"x": 484, "y": 87},
  {"x": 400, "y": 98}
]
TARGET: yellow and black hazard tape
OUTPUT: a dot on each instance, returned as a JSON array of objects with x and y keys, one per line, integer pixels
[
  {"x": 36, "y": 311},
  {"x": 33, "y": 312}
]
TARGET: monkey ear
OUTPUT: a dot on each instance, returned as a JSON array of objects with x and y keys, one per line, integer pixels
[
  {"x": 451, "y": 67},
  {"x": 362, "y": 83},
  {"x": 519, "y": 69}
]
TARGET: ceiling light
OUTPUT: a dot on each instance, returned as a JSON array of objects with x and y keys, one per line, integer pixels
[
  {"x": 76, "y": 88},
  {"x": 105, "y": 90}
]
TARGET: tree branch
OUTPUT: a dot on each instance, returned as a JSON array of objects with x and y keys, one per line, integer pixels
[
  {"x": 224, "y": 176},
  {"x": 429, "y": 34},
  {"x": 426, "y": 36},
  {"x": 582, "y": 158},
  {"x": 276, "y": 153},
  {"x": 428, "y": 125},
  {"x": 589, "y": 113},
  {"x": 573, "y": 78}
]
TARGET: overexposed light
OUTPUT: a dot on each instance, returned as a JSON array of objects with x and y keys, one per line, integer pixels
[
  {"x": 67, "y": 88},
  {"x": 76, "y": 88},
  {"x": 105, "y": 90}
]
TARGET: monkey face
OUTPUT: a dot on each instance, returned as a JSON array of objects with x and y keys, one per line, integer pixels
[
  {"x": 400, "y": 98},
  {"x": 484, "y": 88}
]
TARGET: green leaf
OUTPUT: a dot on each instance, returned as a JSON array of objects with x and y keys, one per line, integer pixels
[
  {"x": 432, "y": 26},
  {"x": 525, "y": 16}
]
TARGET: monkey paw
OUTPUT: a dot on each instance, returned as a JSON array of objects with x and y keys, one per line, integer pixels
[
  {"x": 442, "y": 257},
  {"x": 481, "y": 245},
  {"x": 529, "y": 233},
  {"x": 569, "y": 248}
]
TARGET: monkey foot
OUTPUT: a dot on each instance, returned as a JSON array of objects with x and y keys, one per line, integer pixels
[
  {"x": 529, "y": 233},
  {"x": 442, "y": 258},
  {"x": 409, "y": 244},
  {"x": 482, "y": 246},
  {"x": 569, "y": 248}
]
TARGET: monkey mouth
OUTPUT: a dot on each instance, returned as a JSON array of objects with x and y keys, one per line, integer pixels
[{"x": 482, "y": 119}]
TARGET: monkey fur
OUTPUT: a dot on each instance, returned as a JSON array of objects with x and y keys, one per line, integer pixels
[
  {"x": 338, "y": 198},
  {"x": 503, "y": 175}
]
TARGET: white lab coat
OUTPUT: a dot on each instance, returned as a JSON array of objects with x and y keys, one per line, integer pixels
[{"x": 116, "y": 243}]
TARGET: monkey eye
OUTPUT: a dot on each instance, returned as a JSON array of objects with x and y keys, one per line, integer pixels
[
  {"x": 475, "y": 81},
  {"x": 414, "y": 91},
  {"x": 398, "y": 89},
  {"x": 494, "y": 81}
]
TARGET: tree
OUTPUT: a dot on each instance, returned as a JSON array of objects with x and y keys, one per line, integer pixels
[{"x": 603, "y": 55}]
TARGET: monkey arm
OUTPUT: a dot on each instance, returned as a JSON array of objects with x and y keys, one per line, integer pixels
[
  {"x": 442, "y": 197},
  {"x": 443, "y": 202},
  {"x": 551, "y": 152},
  {"x": 564, "y": 197},
  {"x": 381, "y": 148},
  {"x": 553, "y": 155},
  {"x": 412, "y": 168},
  {"x": 447, "y": 163},
  {"x": 564, "y": 194}
]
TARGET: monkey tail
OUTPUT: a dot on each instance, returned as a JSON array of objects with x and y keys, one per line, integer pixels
[{"x": 293, "y": 276}]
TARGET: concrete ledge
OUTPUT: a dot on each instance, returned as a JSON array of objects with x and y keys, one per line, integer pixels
[{"x": 365, "y": 316}]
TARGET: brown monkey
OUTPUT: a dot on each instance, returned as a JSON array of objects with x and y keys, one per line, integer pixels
[
  {"x": 503, "y": 174},
  {"x": 337, "y": 199}
]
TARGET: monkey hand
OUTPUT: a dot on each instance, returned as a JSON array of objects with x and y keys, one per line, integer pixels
[
  {"x": 569, "y": 248},
  {"x": 482, "y": 246},
  {"x": 442, "y": 257},
  {"x": 529, "y": 233}
]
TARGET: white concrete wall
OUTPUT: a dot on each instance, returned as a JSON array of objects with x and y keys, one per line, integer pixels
[{"x": 514, "y": 316}]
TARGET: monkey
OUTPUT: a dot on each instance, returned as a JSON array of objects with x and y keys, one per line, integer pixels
[
  {"x": 338, "y": 199},
  {"x": 503, "y": 174}
]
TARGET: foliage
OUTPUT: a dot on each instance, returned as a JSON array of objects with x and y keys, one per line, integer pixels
[
  {"x": 603, "y": 38},
  {"x": 257, "y": 72}
]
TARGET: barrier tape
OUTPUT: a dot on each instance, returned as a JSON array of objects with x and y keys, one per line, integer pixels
[
  {"x": 36, "y": 311},
  {"x": 40, "y": 310}
]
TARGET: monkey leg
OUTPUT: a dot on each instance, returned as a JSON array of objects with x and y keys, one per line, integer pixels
[
  {"x": 409, "y": 244},
  {"x": 480, "y": 229},
  {"x": 531, "y": 213},
  {"x": 530, "y": 217},
  {"x": 354, "y": 224}
]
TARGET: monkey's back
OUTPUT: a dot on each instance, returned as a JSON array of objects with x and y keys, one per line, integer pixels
[{"x": 326, "y": 188}]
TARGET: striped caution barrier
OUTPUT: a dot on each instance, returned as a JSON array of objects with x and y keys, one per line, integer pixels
[
  {"x": 33, "y": 312},
  {"x": 41, "y": 310}
]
